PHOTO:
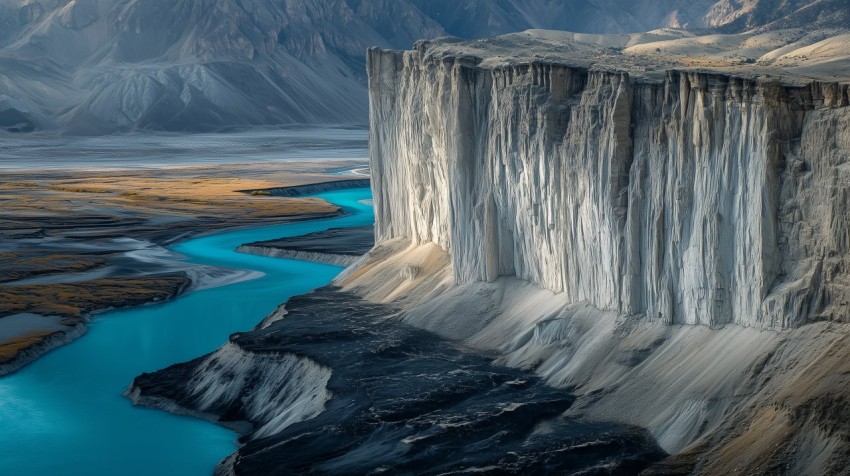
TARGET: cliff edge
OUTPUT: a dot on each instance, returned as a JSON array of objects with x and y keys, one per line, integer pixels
[{"x": 695, "y": 195}]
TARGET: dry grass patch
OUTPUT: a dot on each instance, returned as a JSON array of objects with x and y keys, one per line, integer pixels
[
  {"x": 78, "y": 299},
  {"x": 17, "y": 185},
  {"x": 10, "y": 348},
  {"x": 25, "y": 264},
  {"x": 83, "y": 190},
  {"x": 205, "y": 196}
]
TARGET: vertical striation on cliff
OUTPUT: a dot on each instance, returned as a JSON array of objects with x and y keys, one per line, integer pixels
[{"x": 694, "y": 197}]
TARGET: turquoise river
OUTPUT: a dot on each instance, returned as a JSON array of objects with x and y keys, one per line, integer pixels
[{"x": 65, "y": 414}]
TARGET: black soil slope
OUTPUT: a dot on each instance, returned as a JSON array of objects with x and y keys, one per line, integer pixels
[{"x": 406, "y": 401}]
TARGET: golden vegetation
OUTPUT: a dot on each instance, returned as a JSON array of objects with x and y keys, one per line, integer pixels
[
  {"x": 82, "y": 190},
  {"x": 209, "y": 191},
  {"x": 10, "y": 348},
  {"x": 14, "y": 185},
  {"x": 77, "y": 299},
  {"x": 199, "y": 196},
  {"x": 22, "y": 264}
]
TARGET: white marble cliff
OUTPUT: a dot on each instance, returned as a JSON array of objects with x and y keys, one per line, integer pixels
[
  {"x": 694, "y": 197},
  {"x": 658, "y": 222}
]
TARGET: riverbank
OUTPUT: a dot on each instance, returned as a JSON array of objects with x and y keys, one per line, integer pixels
[
  {"x": 337, "y": 246},
  {"x": 77, "y": 242}
]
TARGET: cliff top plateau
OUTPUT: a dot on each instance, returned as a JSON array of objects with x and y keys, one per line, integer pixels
[{"x": 791, "y": 56}]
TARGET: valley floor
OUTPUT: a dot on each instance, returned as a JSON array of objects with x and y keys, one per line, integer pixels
[{"x": 78, "y": 241}]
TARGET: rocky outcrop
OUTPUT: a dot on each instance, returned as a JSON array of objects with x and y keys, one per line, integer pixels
[
  {"x": 252, "y": 392},
  {"x": 694, "y": 197}
]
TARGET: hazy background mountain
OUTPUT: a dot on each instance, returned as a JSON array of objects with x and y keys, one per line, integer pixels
[{"x": 98, "y": 66}]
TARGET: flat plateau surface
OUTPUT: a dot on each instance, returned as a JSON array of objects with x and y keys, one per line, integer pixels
[{"x": 793, "y": 56}]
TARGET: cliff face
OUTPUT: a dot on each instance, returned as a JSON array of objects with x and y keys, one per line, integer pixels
[{"x": 691, "y": 197}]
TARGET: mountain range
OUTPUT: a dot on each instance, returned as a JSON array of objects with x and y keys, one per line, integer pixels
[{"x": 103, "y": 66}]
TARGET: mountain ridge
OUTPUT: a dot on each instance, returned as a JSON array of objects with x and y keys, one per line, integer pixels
[{"x": 100, "y": 66}]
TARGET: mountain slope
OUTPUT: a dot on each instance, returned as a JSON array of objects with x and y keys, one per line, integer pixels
[{"x": 98, "y": 66}]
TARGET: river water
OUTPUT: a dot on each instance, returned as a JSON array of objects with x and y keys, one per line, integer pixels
[{"x": 65, "y": 414}]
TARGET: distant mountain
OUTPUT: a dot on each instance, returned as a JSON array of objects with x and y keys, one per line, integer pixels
[
  {"x": 99, "y": 66},
  {"x": 740, "y": 15}
]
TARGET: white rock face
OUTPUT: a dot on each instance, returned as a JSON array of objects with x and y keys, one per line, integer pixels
[
  {"x": 284, "y": 389},
  {"x": 696, "y": 198}
]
